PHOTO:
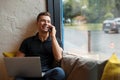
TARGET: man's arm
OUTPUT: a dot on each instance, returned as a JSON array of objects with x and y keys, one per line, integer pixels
[
  {"x": 57, "y": 50},
  {"x": 20, "y": 54},
  {"x": 22, "y": 49}
]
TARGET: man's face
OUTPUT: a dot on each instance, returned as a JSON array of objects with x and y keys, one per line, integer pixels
[{"x": 43, "y": 23}]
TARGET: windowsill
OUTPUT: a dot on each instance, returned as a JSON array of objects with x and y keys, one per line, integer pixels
[{"x": 95, "y": 56}]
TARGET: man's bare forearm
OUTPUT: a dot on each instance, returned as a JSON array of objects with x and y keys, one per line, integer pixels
[
  {"x": 57, "y": 50},
  {"x": 20, "y": 54}
]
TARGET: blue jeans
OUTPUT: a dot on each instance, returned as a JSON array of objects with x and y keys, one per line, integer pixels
[{"x": 53, "y": 74}]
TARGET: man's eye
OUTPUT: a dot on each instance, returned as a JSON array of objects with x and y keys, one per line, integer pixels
[
  {"x": 45, "y": 21},
  {"x": 48, "y": 21}
]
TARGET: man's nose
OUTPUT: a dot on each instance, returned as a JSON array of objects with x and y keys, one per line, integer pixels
[{"x": 46, "y": 22}]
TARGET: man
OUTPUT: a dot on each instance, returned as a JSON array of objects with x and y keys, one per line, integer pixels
[{"x": 47, "y": 46}]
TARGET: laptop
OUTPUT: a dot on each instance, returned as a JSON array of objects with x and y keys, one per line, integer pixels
[{"x": 23, "y": 66}]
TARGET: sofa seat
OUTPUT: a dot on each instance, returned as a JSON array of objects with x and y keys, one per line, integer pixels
[
  {"x": 77, "y": 67},
  {"x": 3, "y": 71},
  {"x": 83, "y": 67}
]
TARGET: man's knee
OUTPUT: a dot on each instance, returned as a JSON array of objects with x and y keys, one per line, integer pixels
[
  {"x": 55, "y": 74},
  {"x": 19, "y": 78},
  {"x": 59, "y": 72}
]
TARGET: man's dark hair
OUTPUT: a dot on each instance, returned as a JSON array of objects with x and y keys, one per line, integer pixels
[{"x": 43, "y": 14}]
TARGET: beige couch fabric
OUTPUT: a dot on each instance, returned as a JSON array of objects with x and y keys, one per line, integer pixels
[{"x": 82, "y": 68}]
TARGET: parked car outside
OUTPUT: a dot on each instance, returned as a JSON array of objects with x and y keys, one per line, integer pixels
[
  {"x": 117, "y": 21},
  {"x": 111, "y": 25}
]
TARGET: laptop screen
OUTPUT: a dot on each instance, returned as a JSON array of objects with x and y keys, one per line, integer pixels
[{"x": 23, "y": 66}]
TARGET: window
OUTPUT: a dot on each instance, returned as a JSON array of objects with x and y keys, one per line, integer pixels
[
  {"x": 55, "y": 9},
  {"x": 90, "y": 26}
]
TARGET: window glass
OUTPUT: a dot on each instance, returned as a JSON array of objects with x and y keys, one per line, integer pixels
[{"x": 92, "y": 26}]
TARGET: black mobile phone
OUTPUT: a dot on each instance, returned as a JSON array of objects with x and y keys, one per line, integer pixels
[{"x": 50, "y": 29}]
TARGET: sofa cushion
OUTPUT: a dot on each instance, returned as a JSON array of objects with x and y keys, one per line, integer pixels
[
  {"x": 82, "y": 68},
  {"x": 68, "y": 63},
  {"x": 9, "y": 54},
  {"x": 112, "y": 69}
]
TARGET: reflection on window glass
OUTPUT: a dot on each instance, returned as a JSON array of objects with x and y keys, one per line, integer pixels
[{"x": 92, "y": 26}]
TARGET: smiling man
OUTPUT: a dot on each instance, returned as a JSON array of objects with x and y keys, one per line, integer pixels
[{"x": 47, "y": 46}]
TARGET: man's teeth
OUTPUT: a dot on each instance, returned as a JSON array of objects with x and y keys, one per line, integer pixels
[{"x": 46, "y": 26}]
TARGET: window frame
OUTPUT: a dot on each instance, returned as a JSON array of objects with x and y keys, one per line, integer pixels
[{"x": 56, "y": 11}]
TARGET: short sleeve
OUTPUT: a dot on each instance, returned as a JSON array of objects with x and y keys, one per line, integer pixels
[{"x": 24, "y": 47}]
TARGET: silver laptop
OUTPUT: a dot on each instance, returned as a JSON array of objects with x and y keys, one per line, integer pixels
[{"x": 23, "y": 66}]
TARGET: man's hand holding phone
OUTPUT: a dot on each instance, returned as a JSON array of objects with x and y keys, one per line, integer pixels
[{"x": 52, "y": 30}]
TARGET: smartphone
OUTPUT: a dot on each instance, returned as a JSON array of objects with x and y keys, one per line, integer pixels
[{"x": 50, "y": 29}]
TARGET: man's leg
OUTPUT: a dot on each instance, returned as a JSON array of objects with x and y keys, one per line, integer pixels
[
  {"x": 20, "y": 78},
  {"x": 55, "y": 74}
]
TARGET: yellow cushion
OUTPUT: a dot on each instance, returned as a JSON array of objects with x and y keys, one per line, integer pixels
[
  {"x": 112, "y": 69},
  {"x": 9, "y": 54}
]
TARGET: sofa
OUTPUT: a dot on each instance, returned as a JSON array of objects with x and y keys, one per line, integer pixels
[{"x": 83, "y": 67}]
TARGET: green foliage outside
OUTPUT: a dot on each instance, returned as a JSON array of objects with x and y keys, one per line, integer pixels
[{"x": 94, "y": 11}]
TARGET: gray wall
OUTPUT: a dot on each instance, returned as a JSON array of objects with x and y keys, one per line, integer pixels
[{"x": 17, "y": 21}]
